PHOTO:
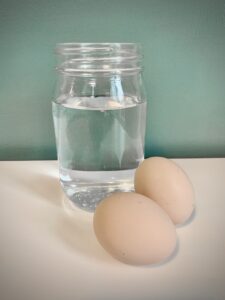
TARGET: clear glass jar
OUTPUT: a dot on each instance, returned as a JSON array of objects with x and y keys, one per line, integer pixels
[{"x": 99, "y": 117}]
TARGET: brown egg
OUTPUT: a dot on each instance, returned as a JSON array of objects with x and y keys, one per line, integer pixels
[
  {"x": 134, "y": 229},
  {"x": 166, "y": 183}
]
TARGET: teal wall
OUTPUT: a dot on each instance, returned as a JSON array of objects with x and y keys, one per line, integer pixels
[{"x": 184, "y": 48}]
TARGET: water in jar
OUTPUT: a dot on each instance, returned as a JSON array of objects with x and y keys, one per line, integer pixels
[{"x": 100, "y": 143}]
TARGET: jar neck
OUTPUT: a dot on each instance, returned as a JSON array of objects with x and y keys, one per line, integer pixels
[{"x": 99, "y": 59}]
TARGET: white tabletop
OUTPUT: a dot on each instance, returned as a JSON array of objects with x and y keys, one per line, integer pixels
[{"x": 50, "y": 252}]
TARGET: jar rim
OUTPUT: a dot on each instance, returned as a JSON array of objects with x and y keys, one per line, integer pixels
[
  {"x": 70, "y": 47},
  {"x": 99, "y": 57}
]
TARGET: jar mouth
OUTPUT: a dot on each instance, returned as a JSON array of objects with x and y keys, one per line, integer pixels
[
  {"x": 65, "y": 48},
  {"x": 98, "y": 57}
]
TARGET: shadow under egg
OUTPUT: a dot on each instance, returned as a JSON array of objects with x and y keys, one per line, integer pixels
[{"x": 189, "y": 220}]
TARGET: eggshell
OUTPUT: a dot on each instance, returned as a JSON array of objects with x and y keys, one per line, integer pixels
[
  {"x": 134, "y": 229},
  {"x": 166, "y": 183}
]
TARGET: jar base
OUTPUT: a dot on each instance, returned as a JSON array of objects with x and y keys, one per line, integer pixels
[
  {"x": 88, "y": 198},
  {"x": 85, "y": 190}
]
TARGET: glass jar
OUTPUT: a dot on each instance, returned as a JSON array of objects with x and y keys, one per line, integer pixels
[{"x": 99, "y": 117}]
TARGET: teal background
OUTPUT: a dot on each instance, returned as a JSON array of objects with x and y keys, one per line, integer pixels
[{"x": 184, "y": 48}]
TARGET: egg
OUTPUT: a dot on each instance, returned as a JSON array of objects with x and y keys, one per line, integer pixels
[
  {"x": 134, "y": 229},
  {"x": 166, "y": 183}
]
